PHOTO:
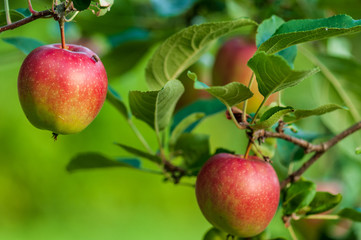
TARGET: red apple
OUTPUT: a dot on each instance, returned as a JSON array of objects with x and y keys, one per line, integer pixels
[
  {"x": 231, "y": 66},
  {"x": 62, "y": 90},
  {"x": 239, "y": 196}
]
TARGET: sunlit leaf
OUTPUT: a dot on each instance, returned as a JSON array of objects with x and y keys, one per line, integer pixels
[
  {"x": 299, "y": 114},
  {"x": 230, "y": 94},
  {"x": 184, "y": 48},
  {"x": 323, "y": 201},
  {"x": 274, "y": 74},
  {"x": 266, "y": 29},
  {"x": 156, "y": 107},
  {"x": 304, "y": 30},
  {"x": 271, "y": 117}
]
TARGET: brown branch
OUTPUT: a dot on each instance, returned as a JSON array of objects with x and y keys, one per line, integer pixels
[
  {"x": 36, "y": 15},
  {"x": 320, "y": 149}
]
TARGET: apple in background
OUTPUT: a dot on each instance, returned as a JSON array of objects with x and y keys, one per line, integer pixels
[
  {"x": 62, "y": 90},
  {"x": 236, "y": 195},
  {"x": 230, "y": 65}
]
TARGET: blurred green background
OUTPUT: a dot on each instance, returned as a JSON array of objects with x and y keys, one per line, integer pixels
[{"x": 39, "y": 199}]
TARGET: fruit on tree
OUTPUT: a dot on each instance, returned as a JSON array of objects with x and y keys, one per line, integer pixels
[
  {"x": 231, "y": 66},
  {"x": 236, "y": 195},
  {"x": 62, "y": 90}
]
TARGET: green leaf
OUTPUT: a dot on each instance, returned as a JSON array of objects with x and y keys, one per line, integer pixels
[
  {"x": 274, "y": 74},
  {"x": 184, "y": 48},
  {"x": 266, "y": 29},
  {"x": 271, "y": 117},
  {"x": 183, "y": 126},
  {"x": 353, "y": 214},
  {"x": 14, "y": 15},
  {"x": 81, "y": 5},
  {"x": 95, "y": 160},
  {"x": 323, "y": 202},
  {"x": 140, "y": 153},
  {"x": 156, "y": 107},
  {"x": 304, "y": 30},
  {"x": 26, "y": 45},
  {"x": 317, "y": 111},
  {"x": 299, "y": 195},
  {"x": 230, "y": 94},
  {"x": 114, "y": 98},
  {"x": 194, "y": 148},
  {"x": 206, "y": 106}
]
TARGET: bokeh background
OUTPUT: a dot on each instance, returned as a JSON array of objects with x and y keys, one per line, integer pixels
[{"x": 39, "y": 199}]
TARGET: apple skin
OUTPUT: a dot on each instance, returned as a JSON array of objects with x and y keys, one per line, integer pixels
[
  {"x": 230, "y": 65},
  {"x": 62, "y": 90},
  {"x": 236, "y": 195}
]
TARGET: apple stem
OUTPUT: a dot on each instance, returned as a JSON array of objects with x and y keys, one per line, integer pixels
[
  {"x": 292, "y": 232},
  {"x": 62, "y": 34},
  {"x": 7, "y": 12},
  {"x": 31, "y": 9},
  {"x": 245, "y": 102},
  {"x": 259, "y": 108},
  {"x": 248, "y": 149},
  {"x": 325, "y": 217}
]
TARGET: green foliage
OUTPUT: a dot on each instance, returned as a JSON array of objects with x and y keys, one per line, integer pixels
[
  {"x": 271, "y": 117},
  {"x": 194, "y": 148},
  {"x": 96, "y": 160},
  {"x": 322, "y": 202},
  {"x": 274, "y": 74},
  {"x": 299, "y": 195},
  {"x": 183, "y": 126},
  {"x": 81, "y": 5},
  {"x": 14, "y": 15},
  {"x": 26, "y": 45},
  {"x": 184, "y": 48},
  {"x": 304, "y": 30},
  {"x": 352, "y": 214},
  {"x": 299, "y": 114},
  {"x": 266, "y": 29},
  {"x": 114, "y": 98},
  {"x": 207, "y": 106},
  {"x": 156, "y": 107},
  {"x": 230, "y": 94},
  {"x": 140, "y": 153}
]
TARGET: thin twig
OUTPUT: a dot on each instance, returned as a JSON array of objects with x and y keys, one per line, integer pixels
[
  {"x": 42, "y": 14},
  {"x": 321, "y": 149}
]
